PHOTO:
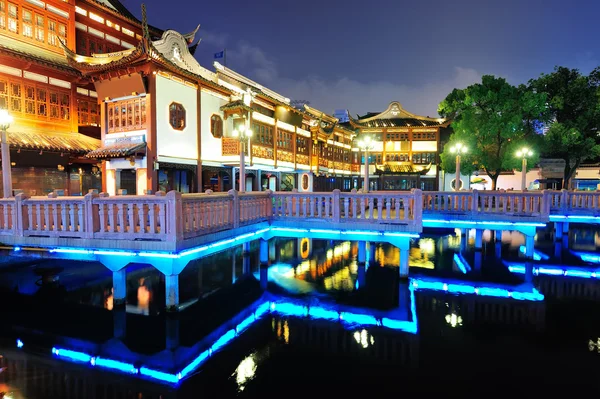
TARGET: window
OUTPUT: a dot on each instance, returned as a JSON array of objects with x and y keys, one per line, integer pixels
[
  {"x": 13, "y": 15},
  {"x": 2, "y": 14},
  {"x": 39, "y": 28},
  {"x": 122, "y": 115},
  {"x": 216, "y": 126},
  {"x": 52, "y": 33},
  {"x": 423, "y": 158},
  {"x": 27, "y": 23},
  {"x": 262, "y": 134},
  {"x": 177, "y": 116}
]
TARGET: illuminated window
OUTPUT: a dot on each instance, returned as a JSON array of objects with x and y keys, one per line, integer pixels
[
  {"x": 87, "y": 112},
  {"x": 127, "y": 31},
  {"x": 52, "y": 33},
  {"x": 177, "y": 116},
  {"x": 96, "y": 18},
  {"x": 2, "y": 14},
  {"x": 122, "y": 115},
  {"x": 109, "y": 23},
  {"x": 3, "y": 94},
  {"x": 216, "y": 126},
  {"x": 39, "y": 28},
  {"x": 13, "y": 15},
  {"x": 80, "y": 10},
  {"x": 27, "y": 23}
]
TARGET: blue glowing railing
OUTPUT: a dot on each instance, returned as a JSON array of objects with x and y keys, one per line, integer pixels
[
  {"x": 547, "y": 270},
  {"x": 480, "y": 290}
]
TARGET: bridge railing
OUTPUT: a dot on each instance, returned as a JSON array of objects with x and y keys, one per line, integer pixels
[
  {"x": 400, "y": 207},
  {"x": 575, "y": 202},
  {"x": 509, "y": 203}
]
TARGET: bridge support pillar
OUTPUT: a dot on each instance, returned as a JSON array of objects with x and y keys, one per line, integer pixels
[
  {"x": 498, "y": 249},
  {"x": 264, "y": 263},
  {"x": 558, "y": 247},
  {"x": 246, "y": 254},
  {"x": 558, "y": 231},
  {"x": 119, "y": 287},
  {"x": 528, "y": 271},
  {"x": 565, "y": 228},
  {"x": 172, "y": 332},
  {"x": 498, "y": 235},
  {"x": 464, "y": 239},
  {"x": 529, "y": 244},
  {"x": 371, "y": 257},
  {"x": 404, "y": 245},
  {"x": 478, "y": 239},
  {"x": 119, "y": 323},
  {"x": 361, "y": 261},
  {"x": 172, "y": 292}
]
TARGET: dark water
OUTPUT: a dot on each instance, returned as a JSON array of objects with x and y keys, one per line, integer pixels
[{"x": 466, "y": 345}]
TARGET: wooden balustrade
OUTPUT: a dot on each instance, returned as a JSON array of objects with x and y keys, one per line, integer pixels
[
  {"x": 379, "y": 207},
  {"x": 509, "y": 203}
]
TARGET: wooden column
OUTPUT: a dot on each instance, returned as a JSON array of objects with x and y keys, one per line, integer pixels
[
  {"x": 151, "y": 150},
  {"x": 295, "y": 147},
  {"x": 276, "y": 136},
  {"x": 199, "y": 138},
  {"x": 103, "y": 129}
]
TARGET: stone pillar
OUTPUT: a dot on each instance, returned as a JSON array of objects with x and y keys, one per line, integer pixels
[
  {"x": 565, "y": 228},
  {"x": 404, "y": 245},
  {"x": 362, "y": 276},
  {"x": 498, "y": 249},
  {"x": 499, "y": 236},
  {"x": 119, "y": 288},
  {"x": 529, "y": 246},
  {"x": 478, "y": 239},
  {"x": 264, "y": 263},
  {"x": 172, "y": 332},
  {"x": 371, "y": 257},
  {"x": 558, "y": 231},
  {"x": 172, "y": 292},
  {"x": 119, "y": 323},
  {"x": 464, "y": 239},
  {"x": 246, "y": 259}
]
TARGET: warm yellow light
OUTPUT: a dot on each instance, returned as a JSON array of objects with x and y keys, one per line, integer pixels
[
  {"x": 5, "y": 119},
  {"x": 524, "y": 152},
  {"x": 459, "y": 148}
]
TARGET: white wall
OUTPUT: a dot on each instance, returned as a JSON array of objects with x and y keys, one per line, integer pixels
[
  {"x": 212, "y": 148},
  {"x": 171, "y": 142}
]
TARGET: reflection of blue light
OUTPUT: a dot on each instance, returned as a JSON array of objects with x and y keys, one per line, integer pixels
[
  {"x": 587, "y": 257},
  {"x": 115, "y": 365},
  {"x": 16, "y": 249},
  {"x": 73, "y": 355},
  {"x": 19, "y": 343},
  {"x": 195, "y": 363},
  {"x": 318, "y": 312},
  {"x": 496, "y": 292},
  {"x": 536, "y": 254},
  {"x": 291, "y": 309},
  {"x": 262, "y": 309},
  {"x": 460, "y": 263},
  {"x": 354, "y": 318},
  {"x": 555, "y": 271},
  {"x": 158, "y": 375},
  {"x": 245, "y": 323},
  {"x": 225, "y": 338}
]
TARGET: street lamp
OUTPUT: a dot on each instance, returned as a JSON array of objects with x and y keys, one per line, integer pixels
[
  {"x": 366, "y": 144},
  {"x": 5, "y": 121},
  {"x": 243, "y": 134},
  {"x": 458, "y": 148},
  {"x": 524, "y": 153}
]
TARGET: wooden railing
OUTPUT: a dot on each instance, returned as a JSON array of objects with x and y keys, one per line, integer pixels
[
  {"x": 506, "y": 203},
  {"x": 403, "y": 207}
]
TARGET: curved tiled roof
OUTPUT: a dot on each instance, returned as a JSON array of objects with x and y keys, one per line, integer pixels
[{"x": 52, "y": 141}]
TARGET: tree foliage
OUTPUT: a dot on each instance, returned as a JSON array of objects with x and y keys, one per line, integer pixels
[
  {"x": 573, "y": 113},
  {"x": 493, "y": 119}
]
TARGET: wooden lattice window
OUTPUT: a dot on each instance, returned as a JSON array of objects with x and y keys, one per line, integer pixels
[
  {"x": 216, "y": 126},
  {"x": 177, "y": 116}
]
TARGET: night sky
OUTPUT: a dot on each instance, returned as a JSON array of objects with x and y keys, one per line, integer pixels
[{"x": 360, "y": 55}]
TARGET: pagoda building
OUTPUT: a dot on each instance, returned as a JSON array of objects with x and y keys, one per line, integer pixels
[
  {"x": 167, "y": 123},
  {"x": 405, "y": 148},
  {"x": 55, "y": 109}
]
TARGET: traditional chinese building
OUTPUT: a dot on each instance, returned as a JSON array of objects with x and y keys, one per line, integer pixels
[
  {"x": 55, "y": 109},
  {"x": 405, "y": 148}
]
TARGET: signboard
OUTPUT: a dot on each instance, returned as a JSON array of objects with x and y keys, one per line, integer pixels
[{"x": 138, "y": 139}]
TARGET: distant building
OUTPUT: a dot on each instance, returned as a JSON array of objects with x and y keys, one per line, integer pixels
[{"x": 342, "y": 115}]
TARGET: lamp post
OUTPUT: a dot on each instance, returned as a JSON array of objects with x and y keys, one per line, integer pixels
[
  {"x": 5, "y": 121},
  {"x": 243, "y": 134},
  {"x": 524, "y": 153},
  {"x": 366, "y": 145},
  {"x": 458, "y": 148}
]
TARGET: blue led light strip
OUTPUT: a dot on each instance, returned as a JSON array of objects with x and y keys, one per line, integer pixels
[
  {"x": 467, "y": 289},
  {"x": 461, "y": 263},
  {"x": 481, "y": 223},
  {"x": 578, "y": 272}
]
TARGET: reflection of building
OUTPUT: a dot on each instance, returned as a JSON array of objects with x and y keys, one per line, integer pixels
[{"x": 405, "y": 154}]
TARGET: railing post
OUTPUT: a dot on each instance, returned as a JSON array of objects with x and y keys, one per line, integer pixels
[
  {"x": 418, "y": 207},
  {"x": 90, "y": 216},
  {"x": 235, "y": 208},
  {"x": 475, "y": 202},
  {"x": 564, "y": 201},
  {"x": 336, "y": 206},
  {"x": 174, "y": 216},
  {"x": 22, "y": 223},
  {"x": 269, "y": 207},
  {"x": 546, "y": 203}
]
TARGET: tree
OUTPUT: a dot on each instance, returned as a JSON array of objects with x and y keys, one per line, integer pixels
[
  {"x": 573, "y": 113},
  {"x": 493, "y": 119}
]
